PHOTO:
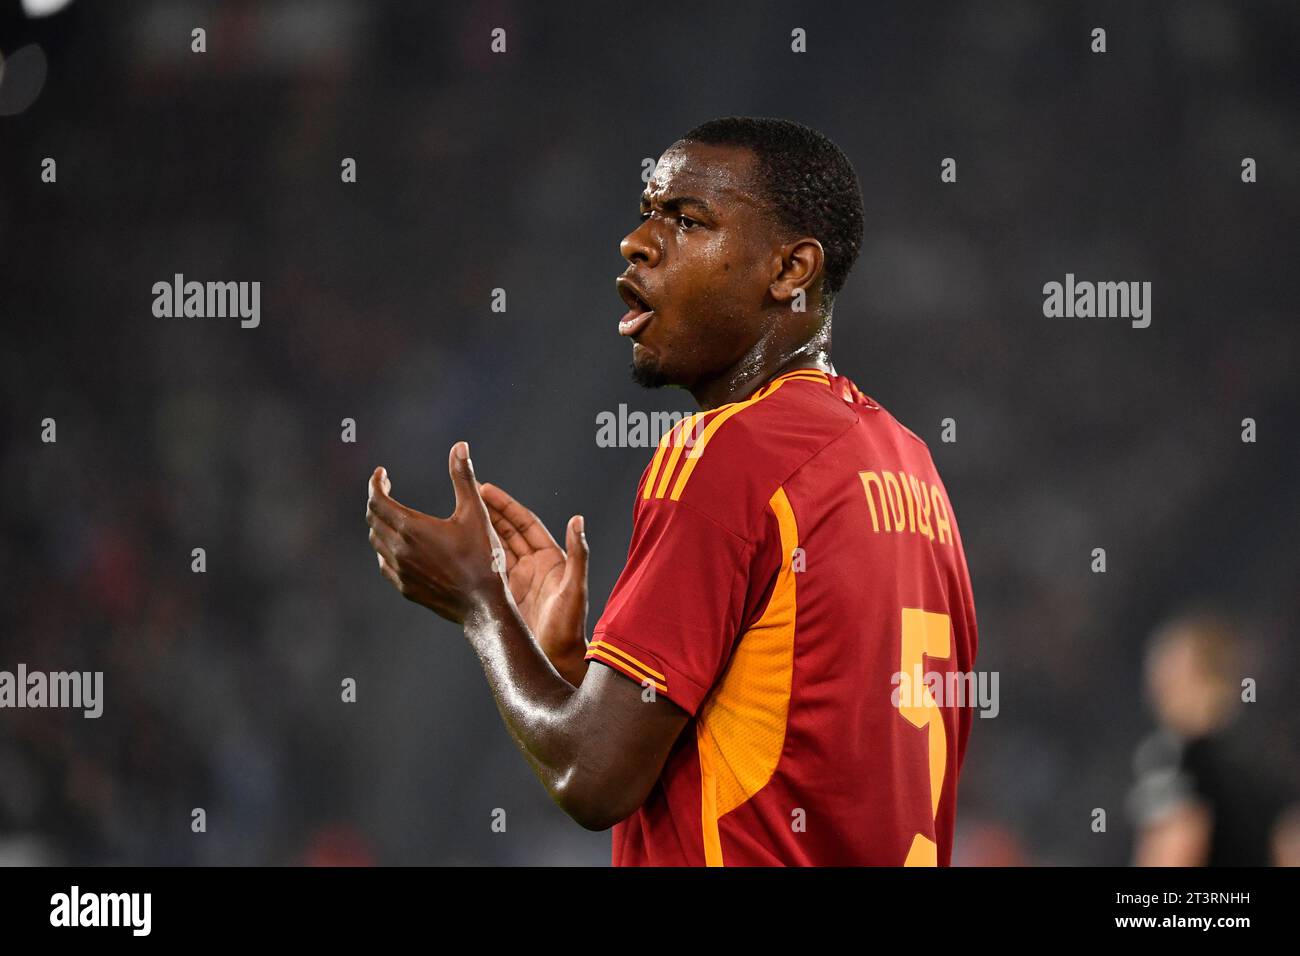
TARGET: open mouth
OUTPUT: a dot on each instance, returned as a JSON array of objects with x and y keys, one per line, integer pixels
[{"x": 639, "y": 312}]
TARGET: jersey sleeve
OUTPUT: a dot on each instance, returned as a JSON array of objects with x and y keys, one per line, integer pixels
[{"x": 678, "y": 606}]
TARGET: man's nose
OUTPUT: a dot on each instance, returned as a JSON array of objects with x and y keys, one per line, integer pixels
[{"x": 640, "y": 245}]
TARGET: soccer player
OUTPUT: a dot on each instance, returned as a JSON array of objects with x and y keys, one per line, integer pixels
[
  {"x": 773, "y": 668},
  {"x": 1206, "y": 793}
]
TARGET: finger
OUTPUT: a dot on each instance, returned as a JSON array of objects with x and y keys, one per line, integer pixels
[
  {"x": 386, "y": 570},
  {"x": 515, "y": 545},
  {"x": 384, "y": 540},
  {"x": 508, "y": 533},
  {"x": 381, "y": 506},
  {"x": 507, "y": 560},
  {"x": 523, "y": 520},
  {"x": 383, "y": 555},
  {"x": 461, "y": 469},
  {"x": 575, "y": 564}
]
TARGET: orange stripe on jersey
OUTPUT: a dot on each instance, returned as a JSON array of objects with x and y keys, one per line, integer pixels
[
  {"x": 673, "y": 438},
  {"x": 616, "y": 660},
  {"x": 740, "y": 729},
  {"x": 605, "y": 645},
  {"x": 684, "y": 434},
  {"x": 654, "y": 467},
  {"x": 658, "y": 460},
  {"x": 687, "y": 436},
  {"x": 723, "y": 413},
  {"x": 812, "y": 374}
]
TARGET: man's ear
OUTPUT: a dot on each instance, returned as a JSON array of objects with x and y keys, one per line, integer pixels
[{"x": 801, "y": 266}]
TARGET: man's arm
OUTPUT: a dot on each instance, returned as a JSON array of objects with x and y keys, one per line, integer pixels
[{"x": 598, "y": 748}]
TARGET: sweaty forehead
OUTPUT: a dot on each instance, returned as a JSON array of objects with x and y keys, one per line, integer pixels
[{"x": 721, "y": 175}]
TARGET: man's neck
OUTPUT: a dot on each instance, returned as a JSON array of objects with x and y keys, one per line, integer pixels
[{"x": 760, "y": 365}]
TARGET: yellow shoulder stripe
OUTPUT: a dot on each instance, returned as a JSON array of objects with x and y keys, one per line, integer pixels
[
  {"x": 687, "y": 435},
  {"x": 675, "y": 440},
  {"x": 724, "y": 413}
]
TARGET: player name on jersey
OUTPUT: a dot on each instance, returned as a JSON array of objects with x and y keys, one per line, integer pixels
[{"x": 902, "y": 502}]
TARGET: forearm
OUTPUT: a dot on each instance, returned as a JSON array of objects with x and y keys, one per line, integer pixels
[{"x": 537, "y": 704}]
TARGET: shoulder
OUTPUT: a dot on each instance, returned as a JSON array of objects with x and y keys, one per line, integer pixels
[{"x": 728, "y": 462}]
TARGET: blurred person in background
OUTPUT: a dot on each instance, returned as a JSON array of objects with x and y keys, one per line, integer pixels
[{"x": 1205, "y": 795}]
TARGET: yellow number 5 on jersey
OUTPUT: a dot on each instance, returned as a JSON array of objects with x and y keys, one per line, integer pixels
[{"x": 928, "y": 633}]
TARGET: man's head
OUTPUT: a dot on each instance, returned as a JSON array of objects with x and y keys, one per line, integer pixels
[
  {"x": 1191, "y": 670},
  {"x": 743, "y": 221}
]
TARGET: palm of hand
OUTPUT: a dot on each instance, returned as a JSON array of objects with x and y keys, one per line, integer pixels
[
  {"x": 548, "y": 584},
  {"x": 535, "y": 583}
]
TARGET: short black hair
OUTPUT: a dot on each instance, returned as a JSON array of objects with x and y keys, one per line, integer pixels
[{"x": 808, "y": 182}]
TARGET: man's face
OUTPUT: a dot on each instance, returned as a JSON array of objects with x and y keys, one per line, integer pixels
[
  {"x": 1186, "y": 696},
  {"x": 700, "y": 266}
]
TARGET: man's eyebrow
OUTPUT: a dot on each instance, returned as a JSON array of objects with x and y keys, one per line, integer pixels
[{"x": 675, "y": 203}]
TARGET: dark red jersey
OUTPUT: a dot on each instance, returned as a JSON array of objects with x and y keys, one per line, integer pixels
[{"x": 795, "y": 568}]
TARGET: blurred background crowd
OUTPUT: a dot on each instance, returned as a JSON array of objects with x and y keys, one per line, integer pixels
[{"x": 521, "y": 170}]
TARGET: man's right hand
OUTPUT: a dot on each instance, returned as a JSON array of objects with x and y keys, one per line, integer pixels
[{"x": 548, "y": 585}]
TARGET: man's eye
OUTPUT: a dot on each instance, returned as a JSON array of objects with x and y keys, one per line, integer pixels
[
  {"x": 687, "y": 221},
  {"x": 645, "y": 216}
]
